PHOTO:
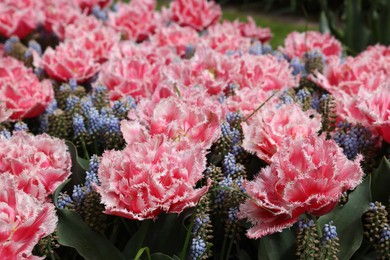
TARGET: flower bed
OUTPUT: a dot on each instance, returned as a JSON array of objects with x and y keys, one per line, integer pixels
[{"x": 131, "y": 133}]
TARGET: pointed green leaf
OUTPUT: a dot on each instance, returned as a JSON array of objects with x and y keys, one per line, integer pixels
[
  {"x": 380, "y": 182},
  {"x": 78, "y": 164},
  {"x": 347, "y": 219},
  {"x": 277, "y": 246},
  {"x": 73, "y": 232},
  {"x": 161, "y": 256}
]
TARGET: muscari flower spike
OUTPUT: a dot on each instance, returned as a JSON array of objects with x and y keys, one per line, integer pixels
[{"x": 307, "y": 240}]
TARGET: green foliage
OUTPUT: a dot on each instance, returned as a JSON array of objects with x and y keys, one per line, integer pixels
[
  {"x": 380, "y": 180},
  {"x": 277, "y": 246},
  {"x": 72, "y": 231},
  {"x": 358, "y": 23}
]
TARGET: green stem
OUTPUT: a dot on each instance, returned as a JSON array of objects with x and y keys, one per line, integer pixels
[
  {"x": 141, "y": 251},
  {"x": 143, "y": 230},
  {"x": 223, "y": 247},
  {"x": 230, "y": 244},
  {"x": 188, "y": 236},
  {"x": 85, "y": 148}
]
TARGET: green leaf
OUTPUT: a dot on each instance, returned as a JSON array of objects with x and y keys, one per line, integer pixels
[
  {"x": 380, "y": 182},
  {"x": 161, "y": 256},
  {"x": 73, "y": 232},
  {"x": 164, "y": 235},
  {"x": 277, "y": 246},
  {"x": 347, "y": 219},
  {"x": 79, "y": 165},
  {"x": 141, "y": 251}
]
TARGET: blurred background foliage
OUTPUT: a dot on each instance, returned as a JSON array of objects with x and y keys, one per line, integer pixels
[{"x": 356, "y": 23}]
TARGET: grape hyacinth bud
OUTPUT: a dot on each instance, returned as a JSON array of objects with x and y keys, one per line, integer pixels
[
  {"x": 20, "y": 126},
  {"x": 329, "y": 242}
]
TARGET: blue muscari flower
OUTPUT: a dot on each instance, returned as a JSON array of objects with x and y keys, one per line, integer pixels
[
  {"x": 298, "y": 67},
  {"x": 99, "y": 13},
  {"x": 303, "y": 224},
  {"x": 110, "y": 124},
  {"x": 91, "y": 174},
  {"x": 94, "y": 122},
  {"x": 198, "y": 247},
  {"x": 5, "y": 133},
  {"x": 27, "y": 54},
  {"x": 256, "y": 48},
  {"x": 190, "y": 51},
  {"x": 385, "y": 234},
  {"x": 233, "y": 117},
  {"x": 267, "y": 48},
  {"x": 79, "y": 128},
  {"x": 230, "y": 52},
  {"x": 232, "y": 213},
  {"x": 225, "y": 182},
  {"x": 314, "y": 55},
  {"x": 302, "y": 94},
  {"x": 64, "y": 200},
  {"x": 35, "y": 46},
  {"x": 39, "y": 72},
  {"x": 8, "y": 45},
  {"x": 78, "y": 194},
  {"x": 115, "y": 7},
  {"x": 73, "y": 84},
  {"x": 71, "y": 101},
  {"x": 353, "y": 139},
  {"x": 221, "y": 98},
  {"x": 99, "y": 89},
  {"x": 316, "y": 100},
  {"x": 86, "y": 105},
  {"x": 20, "y": 126},
  {"x": 44, "y": 118},
  {"x": 374, "y": 207},
  {"x": 199, "y": 221},
  {"x": 329, "y": 232},
  {"x": 229, "y": 165},
  {"x": 239, "y": 182},
  {"x": 285, "y": 99},
  {"x": 230, "y": 133},
  {"x": 122, "y": 106}
]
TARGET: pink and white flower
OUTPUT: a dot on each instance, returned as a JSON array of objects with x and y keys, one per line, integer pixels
[
  {"x": 176, "y": 37},
  {"x": 24, "y": 220},
  {"x": 266, "y": 130},
  {"x": 135, "y": 21},
  {"x": 151, "y": 177},
  {"x": 251, "y": 30},
  {"x": 177, "y": 120},
  {"x": 21, "y": 91},
  {"x": 198, "y": 14},
  {"x": 308, "y": 177},
  {"x": 133, "y": 76},
  {"x": 265, "y": 72},
  {"x": 39, "y": 163},
  {"x": 93, "y": 37},
  {"x": 19, "y": 17},
  {"x": 297, "y": 44},
  {"x": 70, "y": 61}
]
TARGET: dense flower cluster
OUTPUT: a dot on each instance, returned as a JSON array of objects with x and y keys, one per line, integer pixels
[{"x": 177, "y": 111}]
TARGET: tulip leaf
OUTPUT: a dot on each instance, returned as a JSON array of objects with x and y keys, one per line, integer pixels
[
  {"x": 161, "y": 256},
  {"x": 277, "y": 246},
  {"x": 164, "y": 235},
  {"x": 380, "y": 182},
  {"x": 79, "y": 165},
  {"x": 73, "y": 232},
  {"x": 347, "y": 219}
]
